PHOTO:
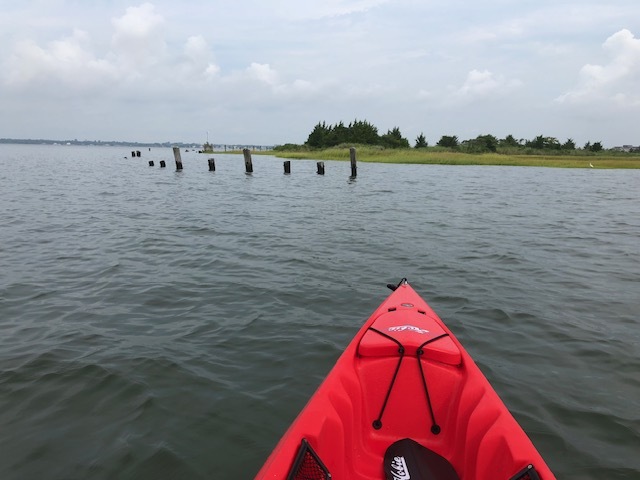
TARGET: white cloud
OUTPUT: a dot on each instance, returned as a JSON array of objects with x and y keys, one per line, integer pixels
[
  {"x": 264, "y": 73},
  {"x": 212, "y": 71},
  {"x": 507, "y": 30},
  {"x": 260, "y": 84},
  {"x": 616, "y": 81},
  {"x": 138, "y": 22},
  {"x": 138, "y": 61},
  {"x": 481, "y": 84},
  {"x": 299, "y": 89},
  {"x": 199, "y": 58},
  {"x": 197, "y": 50},
  {"x": 546, "y": 20},
  {"x": 138, "y": 37},
  {"x": 317, "y": 9},
  {"x": 67, "y": 61},
  {"x": 424, "y": 94}
]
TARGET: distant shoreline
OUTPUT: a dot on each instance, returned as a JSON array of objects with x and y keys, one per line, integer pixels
[
  {"x": 101, "y": 143},
  {"x": 95, "y": 143}
]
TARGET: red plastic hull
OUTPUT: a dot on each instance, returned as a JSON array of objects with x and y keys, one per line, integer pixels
[{"x": 459, "y": 416}]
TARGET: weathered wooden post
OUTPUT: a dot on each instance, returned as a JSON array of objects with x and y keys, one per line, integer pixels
[
  {"x": 212, "y": 165},
  {"x": 151, "y": 164},
  {"x": 320, "y": 168},
  {"x": 287, "y": 167},
  {"x": 133, "y": 153},
  {"x": 352, "y": 157},
  {"x": 137, "y": 153},
  {"x": 162, "y": 164},
  {"x": 177, "y": 157},
  {"x": 248, "y": 163}
]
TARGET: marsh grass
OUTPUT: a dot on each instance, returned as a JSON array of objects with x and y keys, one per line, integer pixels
[{"x": 436, "y": 156}]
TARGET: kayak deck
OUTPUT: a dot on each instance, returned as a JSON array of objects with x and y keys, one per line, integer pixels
[{"x": 405, "y": 378}]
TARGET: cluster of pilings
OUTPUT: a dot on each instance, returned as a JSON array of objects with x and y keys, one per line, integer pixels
[{"x": 248, "y": 162}]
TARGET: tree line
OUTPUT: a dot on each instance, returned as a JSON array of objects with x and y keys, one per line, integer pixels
[
  {"x": 490, "y": 143},
  {"x": 364, "y": 133},
  {"x": 357, "y": 132}
]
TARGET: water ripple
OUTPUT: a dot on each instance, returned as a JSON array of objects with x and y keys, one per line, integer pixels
[{"x": 156, "y": 324}]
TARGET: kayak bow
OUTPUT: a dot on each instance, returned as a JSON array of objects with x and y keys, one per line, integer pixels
[{"x": 405, "y": 401}]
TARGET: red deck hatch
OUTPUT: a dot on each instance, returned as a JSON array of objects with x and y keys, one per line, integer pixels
[{"x": 412, "y": 329}]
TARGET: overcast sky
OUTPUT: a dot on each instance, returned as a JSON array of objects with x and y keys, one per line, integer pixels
[{"x": 265, "y": 72}]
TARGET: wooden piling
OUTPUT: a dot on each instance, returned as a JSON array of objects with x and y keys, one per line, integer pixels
[
  {"x": 320, "y": 168},
  {"x": 212, "y": 165},
  {"x": 162, "y": 164},
  {"x": 248, "y": 163},
  {"x": 137, "y": 153},
  {"x": 177, "y": 157},
  {"x": 133, "y": 153},
  {"x": 151, "y": 164},
  {"x": 287, "y": 167},
  {"x": 352, "y": 157}
]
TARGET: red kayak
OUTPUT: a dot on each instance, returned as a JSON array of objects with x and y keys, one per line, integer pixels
[{"x": 405, "y": 401}]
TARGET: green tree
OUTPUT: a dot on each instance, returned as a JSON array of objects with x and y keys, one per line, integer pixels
[
  {"x": 339, "y": 134},
  {"x": 421, "y": 141},
  {"x": 544, "y": 143},
  {"x": 448, "y": 141},
  {"x": 481, "y": 144},
  {"x": 569, "y": 144},
  {"x": 394, "y": 139},
  {"x": 489, "y": 143},
  {"x": 537, "y": 143},
  {"x": 319, "y": 136},
  {"x": 552, "y": 143},
  {"x": 363, "y": 132},
  {"x": 289, "y": 147},
  {"x": 509, "y": 141},
  {"x": 596, "y": 147}
]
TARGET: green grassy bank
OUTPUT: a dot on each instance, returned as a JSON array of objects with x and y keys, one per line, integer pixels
[{"x": 442, "y": 157}]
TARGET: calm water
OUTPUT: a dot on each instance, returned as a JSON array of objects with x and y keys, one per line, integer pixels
[{"x": 162, "y": 324}]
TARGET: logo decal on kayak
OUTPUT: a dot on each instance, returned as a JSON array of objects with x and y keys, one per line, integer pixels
[
  {"x": 399, "y": 469},
  {"x": 411, "y": 328}
]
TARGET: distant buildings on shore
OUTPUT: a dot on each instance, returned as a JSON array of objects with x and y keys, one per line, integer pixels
[
  {"x": 627, "y": 148},
  {"x": 211, "y": 148}
]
